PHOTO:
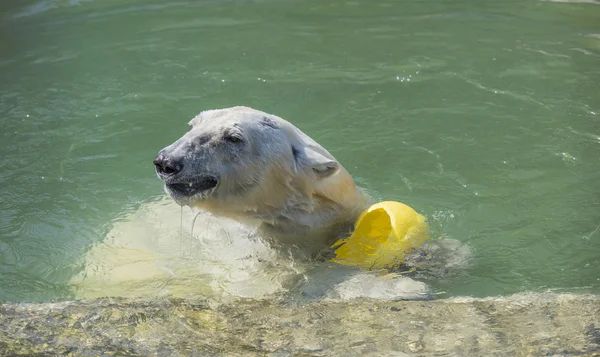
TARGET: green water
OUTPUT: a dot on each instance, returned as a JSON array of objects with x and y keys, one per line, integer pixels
[{"x": 482, "y": 115}]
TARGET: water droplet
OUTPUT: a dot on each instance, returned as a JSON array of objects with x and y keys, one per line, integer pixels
[
  {"x": 568, "y": 157},
  {"x": 27, "y": 115},
  {"x": 222, "y": 80}
]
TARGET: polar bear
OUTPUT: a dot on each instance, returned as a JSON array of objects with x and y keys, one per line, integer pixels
[
  {"x": 254, "y": 182},
  {"x": 261, "y": 170}
]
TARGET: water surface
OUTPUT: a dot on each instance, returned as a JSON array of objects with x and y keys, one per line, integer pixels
[{"x": 482, "y": 115}]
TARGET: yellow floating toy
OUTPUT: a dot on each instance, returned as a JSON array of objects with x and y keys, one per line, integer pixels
[{"x": 384, "y": 233}]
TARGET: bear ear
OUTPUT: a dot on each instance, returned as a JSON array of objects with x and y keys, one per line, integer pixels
[{"x": 320, "y": 165}]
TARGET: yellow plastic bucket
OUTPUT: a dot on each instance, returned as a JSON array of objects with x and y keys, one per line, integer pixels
[{"x": 384, "y": 233}]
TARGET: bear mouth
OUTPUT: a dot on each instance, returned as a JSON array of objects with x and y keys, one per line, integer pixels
[{"x": 193, "y": 187}]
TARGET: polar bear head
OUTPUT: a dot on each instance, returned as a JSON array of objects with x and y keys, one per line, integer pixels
[{"x": 249, "y": 165}]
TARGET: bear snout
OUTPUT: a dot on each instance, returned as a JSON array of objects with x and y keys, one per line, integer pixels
[{"x": 167, "y": 166}]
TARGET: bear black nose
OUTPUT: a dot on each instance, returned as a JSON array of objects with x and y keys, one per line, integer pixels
[{"x": 166, "y": 165}]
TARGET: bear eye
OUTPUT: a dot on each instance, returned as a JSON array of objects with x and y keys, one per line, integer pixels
[{"x": 233, "y": 139}]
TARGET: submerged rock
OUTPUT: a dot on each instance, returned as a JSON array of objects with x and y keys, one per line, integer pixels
[{"x": 520, "y": 325}]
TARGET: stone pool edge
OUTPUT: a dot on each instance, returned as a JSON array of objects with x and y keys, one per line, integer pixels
[{"x": 535, "y": 324}]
